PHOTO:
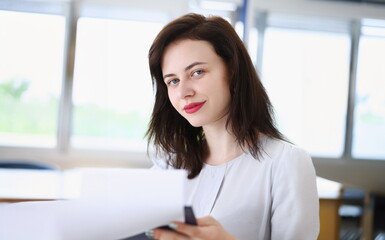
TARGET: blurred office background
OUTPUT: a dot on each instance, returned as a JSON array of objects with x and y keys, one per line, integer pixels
[{"x": 75, "y": 89}]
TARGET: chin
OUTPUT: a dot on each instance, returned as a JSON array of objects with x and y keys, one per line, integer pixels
[{"x": 195, "y": 123}]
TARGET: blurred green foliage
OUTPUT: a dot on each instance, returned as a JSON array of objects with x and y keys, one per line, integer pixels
[
  {"x": 92, "y": 120},
  {"x": 370, "y": 118},
  {"x": 41, "y": 118},
  {"x": 14, "y": 88},
  {"x": 19, "y": 116}
]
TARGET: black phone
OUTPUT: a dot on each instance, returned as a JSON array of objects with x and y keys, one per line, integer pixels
[{"x": 189, "y": 218}]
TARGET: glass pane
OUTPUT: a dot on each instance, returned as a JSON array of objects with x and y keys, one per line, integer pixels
[
  {"x": 253, "y": 45},
  {"x": 306, "y": 76},
  {"x": 112, "y": 95},
  {"x": 369, "y": 117},
  {"x": 31, "y": 68}
]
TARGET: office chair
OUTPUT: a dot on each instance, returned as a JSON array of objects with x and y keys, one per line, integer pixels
[{"x": 24, "y": 164}]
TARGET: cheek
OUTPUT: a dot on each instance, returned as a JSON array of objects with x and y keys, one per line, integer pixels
[
  {"x": 172, "y": 99},
  {"x": 225, "y": 96}
]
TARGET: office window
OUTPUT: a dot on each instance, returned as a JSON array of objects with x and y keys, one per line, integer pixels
[
  {"x": 369, "y": 116},
  {"x": 225, "y": 9},
  {"x": 306, "y": 76},
  {"x": 31, "y": 68},
  {"x": 112, "y": 95},
  {"x": 253, "y": 44}
]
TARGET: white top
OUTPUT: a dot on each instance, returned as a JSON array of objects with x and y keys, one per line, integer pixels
[{"x": 273, "y": 197}]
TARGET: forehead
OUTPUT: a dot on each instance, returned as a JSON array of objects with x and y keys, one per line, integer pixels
[{"x": 182, "y": 53}]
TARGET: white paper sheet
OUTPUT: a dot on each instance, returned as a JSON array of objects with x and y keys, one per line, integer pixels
[
  {"x": 38, "y": 184},
  {"x": 114, "y": 204}
]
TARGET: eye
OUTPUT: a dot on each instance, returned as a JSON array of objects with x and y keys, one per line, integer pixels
[
  {"x": 197, "y": 73},
  {"x": 173, "y": 81}
]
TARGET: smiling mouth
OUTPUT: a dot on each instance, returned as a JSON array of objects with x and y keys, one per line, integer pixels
[{"x": 193, "y": 107}]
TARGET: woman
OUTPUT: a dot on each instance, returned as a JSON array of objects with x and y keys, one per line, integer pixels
[{"x": 213, "y": 118}]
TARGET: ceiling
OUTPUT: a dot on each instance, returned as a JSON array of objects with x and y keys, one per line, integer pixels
[{"x": 359, "y": 1}]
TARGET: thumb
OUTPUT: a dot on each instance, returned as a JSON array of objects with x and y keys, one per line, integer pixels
[{"x": 205, "y": 221}]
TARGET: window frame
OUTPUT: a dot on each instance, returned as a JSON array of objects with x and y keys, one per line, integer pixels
[
  {"x": 352, "y": 27},
  {"x": 63, "y": 154},
  {"x": 54, "y": 8},
  {"x": 67, "y": 157}
]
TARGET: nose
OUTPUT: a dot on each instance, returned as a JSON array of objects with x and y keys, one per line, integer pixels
[{"x": 185, "y": 89}]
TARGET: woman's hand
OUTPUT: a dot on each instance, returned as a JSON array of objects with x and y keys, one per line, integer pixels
[{"x": 208, "y": 229}]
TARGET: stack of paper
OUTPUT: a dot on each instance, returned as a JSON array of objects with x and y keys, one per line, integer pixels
[{"x": 113, "y": 204}]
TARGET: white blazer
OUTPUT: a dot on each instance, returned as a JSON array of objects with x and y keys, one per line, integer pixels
[{"x": 272, "y": 197}]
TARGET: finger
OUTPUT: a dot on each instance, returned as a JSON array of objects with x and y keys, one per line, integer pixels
[
  {"x": 163, "y": 234},
  {"x": 186, "y": 229},
  {"x": 206, "y": 221}
]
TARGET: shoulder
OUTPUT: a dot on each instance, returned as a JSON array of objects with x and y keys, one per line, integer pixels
[
  {"x": 292, "y": 169},
  {"x": 280, "y": 151},
  {"x": 294, "y": 192},
  {"x": 285, "y": 157}
]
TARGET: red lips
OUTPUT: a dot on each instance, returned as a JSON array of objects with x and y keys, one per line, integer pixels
[{"x": 193, "y": 107}]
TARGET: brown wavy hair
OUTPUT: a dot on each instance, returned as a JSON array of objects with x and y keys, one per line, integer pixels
[{"x": 250, "y": 111}]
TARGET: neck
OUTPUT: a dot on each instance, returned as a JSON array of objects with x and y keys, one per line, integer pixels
[{"x": 222, "y": 146}]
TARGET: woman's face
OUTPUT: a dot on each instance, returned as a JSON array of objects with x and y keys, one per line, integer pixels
[{"x": 197, "y": 82}]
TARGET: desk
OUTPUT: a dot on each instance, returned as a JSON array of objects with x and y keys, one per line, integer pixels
[
  {"x": 329, "y": 219},
  {"x": 330, "y": 201}
]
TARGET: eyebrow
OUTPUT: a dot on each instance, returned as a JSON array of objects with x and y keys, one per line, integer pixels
[{"x": 185, "y": 69}]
